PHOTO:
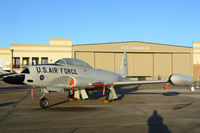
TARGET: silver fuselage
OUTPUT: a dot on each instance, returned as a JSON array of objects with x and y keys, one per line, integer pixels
[{"x": 43, "y": 75}]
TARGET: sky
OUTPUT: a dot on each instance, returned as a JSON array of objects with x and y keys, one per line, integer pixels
[{"x": 174, "y": 22}]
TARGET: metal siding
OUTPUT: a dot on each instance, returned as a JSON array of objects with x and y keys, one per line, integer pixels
[
  {"x": 143, "y": 64},
  {"x": 104, "y": 61},
  {"x": 118, "y": 60},
  {"x": 162, "y": 65},
  {"x": 181, "y": 64},
  {"x": 86, "y": 56},
  {"x": 131, "y": 66}
]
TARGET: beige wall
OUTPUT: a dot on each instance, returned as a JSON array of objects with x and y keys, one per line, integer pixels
[
  {"x": 196, "y": 52},
  {"x": 61, "y": 42},
  {"x": 58, "y": 48},
  {"x": 31, "y": 50},
  {"x": 5, "y": 55},
  {"x": 196, "y": 59}
]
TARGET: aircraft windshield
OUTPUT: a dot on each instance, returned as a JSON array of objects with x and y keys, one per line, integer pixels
[{"x": 72, "y": 61}]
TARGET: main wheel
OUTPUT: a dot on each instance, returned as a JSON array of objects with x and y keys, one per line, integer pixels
[{"x": 44, "y": 102}]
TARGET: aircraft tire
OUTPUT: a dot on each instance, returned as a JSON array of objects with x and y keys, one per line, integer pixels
[{"x": 44, "y": 102}]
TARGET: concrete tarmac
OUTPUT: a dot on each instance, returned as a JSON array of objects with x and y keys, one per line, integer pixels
[{"x": 140, "y": 109}]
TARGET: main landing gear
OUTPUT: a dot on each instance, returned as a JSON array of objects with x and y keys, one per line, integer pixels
[{"x": 111, "y": 95}]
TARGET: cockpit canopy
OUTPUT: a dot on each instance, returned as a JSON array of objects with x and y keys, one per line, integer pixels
[{"x": 72, "y": 61}]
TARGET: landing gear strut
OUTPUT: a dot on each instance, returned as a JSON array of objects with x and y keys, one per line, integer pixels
[{"x": 44, "y": 101}]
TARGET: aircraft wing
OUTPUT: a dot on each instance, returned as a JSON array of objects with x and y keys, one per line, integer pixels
[{"x": 122, "y": 83}]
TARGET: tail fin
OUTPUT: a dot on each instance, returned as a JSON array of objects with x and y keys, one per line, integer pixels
[{"x": 124, "y": 65}]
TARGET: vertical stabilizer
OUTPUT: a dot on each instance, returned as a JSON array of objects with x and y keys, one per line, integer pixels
[{"x": 124, "y": 65}]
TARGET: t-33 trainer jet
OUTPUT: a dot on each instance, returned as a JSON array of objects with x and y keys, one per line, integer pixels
[{"x": 75, "y": 76}]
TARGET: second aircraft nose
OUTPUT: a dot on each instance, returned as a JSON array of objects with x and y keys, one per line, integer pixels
[{"x": 14, "y": 79}]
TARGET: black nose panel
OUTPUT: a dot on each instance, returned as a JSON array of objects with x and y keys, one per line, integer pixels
[{"x": 14, "y": 79}]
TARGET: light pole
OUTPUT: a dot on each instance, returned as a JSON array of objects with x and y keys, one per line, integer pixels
[{"x": 12, "y": 51}]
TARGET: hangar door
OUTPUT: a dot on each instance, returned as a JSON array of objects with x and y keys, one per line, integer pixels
[
  {"x": 98, "y": 60},
  {"x": 140, "y": 64},
  {"x": 181, "y": 64},
  {"x": 86, "y": 56},
  {"x": 162, "y": 65},
  {"x": 146, "y": 64},
  {"x": 105, "y": 61}
]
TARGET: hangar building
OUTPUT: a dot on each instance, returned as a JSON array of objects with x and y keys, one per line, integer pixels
[{"x": 144, "y": 59}]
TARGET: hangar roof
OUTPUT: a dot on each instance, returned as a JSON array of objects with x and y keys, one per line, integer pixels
[
  {"x": 131, "y": 46},
  {"x": 132, "y": 42}
]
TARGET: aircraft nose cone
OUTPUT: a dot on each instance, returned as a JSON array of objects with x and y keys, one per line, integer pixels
[{"x": 14, "y": 79}]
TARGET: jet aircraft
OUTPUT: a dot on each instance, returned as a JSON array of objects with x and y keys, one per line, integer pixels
[
  {"x": 75, "y": 76},
  {"x": 3, "y": 73}
]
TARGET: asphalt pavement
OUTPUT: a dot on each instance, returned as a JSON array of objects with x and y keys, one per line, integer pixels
[{"x": 139, "y": 109}]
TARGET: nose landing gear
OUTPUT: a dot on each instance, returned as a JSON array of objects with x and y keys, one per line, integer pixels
[{"x": 44, "y": 102}]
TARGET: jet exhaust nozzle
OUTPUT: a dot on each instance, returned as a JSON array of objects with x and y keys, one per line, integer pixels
[
  {"x": 180, "y": 80},
  {"x": 14, "y": 79}
]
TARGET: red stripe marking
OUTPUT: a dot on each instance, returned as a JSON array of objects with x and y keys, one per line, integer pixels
[{"x": 101, "y": 84}]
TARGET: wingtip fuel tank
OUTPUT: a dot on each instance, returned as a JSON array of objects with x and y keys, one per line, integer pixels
[{"x": 180, "y": 80}]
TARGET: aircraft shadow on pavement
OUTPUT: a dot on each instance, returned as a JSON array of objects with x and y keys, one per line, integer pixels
[
  {"x": 74, "y": 109},
  {"x": 52, "y": 105},
  {"x": 7, "y": 104},
  {"x": 156, "y": 125},
  {"x": 181, "y": 106},
  {"x": 170, "y": 93},
  {"x": 120, "y": 91}
]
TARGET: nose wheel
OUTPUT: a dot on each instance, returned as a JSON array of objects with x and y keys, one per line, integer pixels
[{"x": 44, "y": 102}]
